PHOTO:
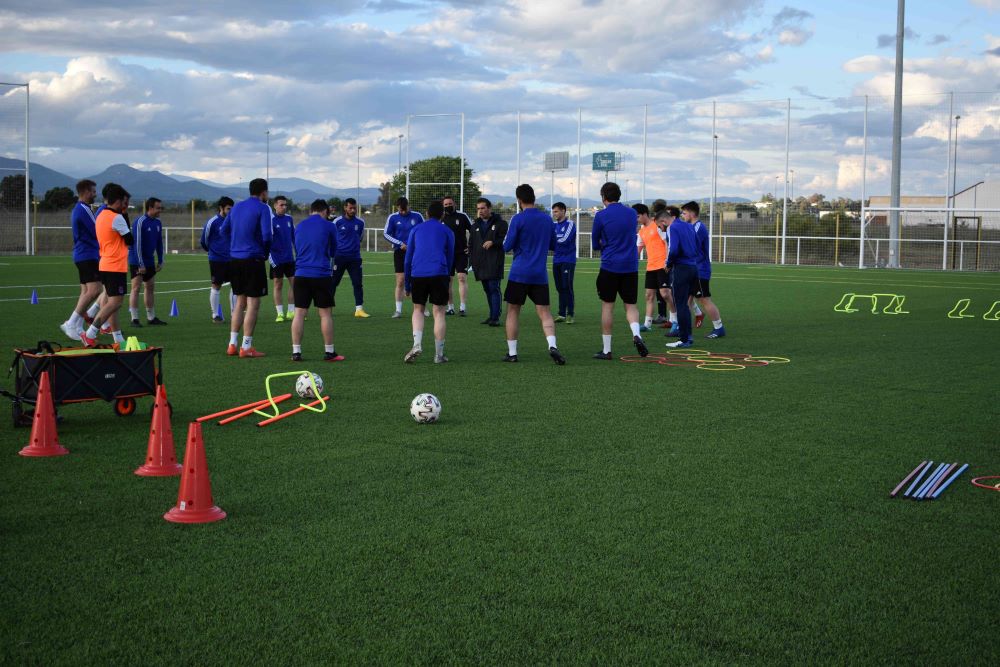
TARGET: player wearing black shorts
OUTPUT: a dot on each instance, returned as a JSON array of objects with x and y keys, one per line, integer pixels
[
  {"x": 460, "y": 225},
  {"x": 143, "y": 267},
  {"x": 430, "y": 248},
  {"x": 315, "y": 248},
  {"x": 282, "y": 257},
  {"x": 217, "y": 247},
  {"x": 397, "y": 230},
  {"x": 86, "y": 256}
]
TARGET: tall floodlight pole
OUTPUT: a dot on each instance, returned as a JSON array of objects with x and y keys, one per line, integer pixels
[
  {"x": 784, "y": 206},
  {"x": 949, "y": 196},
  {"x": 358, "y": 196},
  {"x": 897, "y": 139},
  {"x": 954, "y": 171},
  {"x": 27, "y": 172},
  {"x": 267, "y": 158}
]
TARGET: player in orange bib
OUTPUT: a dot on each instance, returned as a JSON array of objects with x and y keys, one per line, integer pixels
[
  {"x": 653, "y": 239},
  {"x": 114, "y": 237}
]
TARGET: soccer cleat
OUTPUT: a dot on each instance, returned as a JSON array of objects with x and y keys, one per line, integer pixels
[
  {"x": 87, "y": 342},
  {"x": 717, "y": 333},
  {"x": 280, "y": 317},
  {"x": 232, "y": 350},
  {"x": 660, "y": 319},
  {"x": 250, "y": 353},
  {"x": 296, "y": 356},
  {"x": 606, "y": 356},
  {"x": 332, "y": 356},
  {"x": 361, "y": 313},
  {"x": 412, "y": 354},
  {"x": 677, "y": 344},
  {"x": 156, "y": 322},
  {"x": 461, "y": 313},
  {"x": 557, "y": 356},
  {"x": 558, "y": 318},
  {"x": 396, "y": 315},
  {"x": 217, "y": 319},
  {"x": 667, "y": 324},
  {"x": 494, "y": 323},
  {"x": 674, "y": 332},
  {"x": 569, "y": 319},
  {"x": 643, "y": 328},
  {"x": 640, "y": 346},
  {"x": 699, "y": 320},
  {"x": 450, "y": 311},
  {"x": 440, "y": 359},
  {"x": 510, "y": 358},
  {"x": 427, "y": 312},
  {"x": 137, "y": 324},
  {"x": 106, "y": 329},
  {"x": 72, "y": 334}
]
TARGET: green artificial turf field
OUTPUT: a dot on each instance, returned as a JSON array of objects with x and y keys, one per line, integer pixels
[{"x": 596, "y": 512}]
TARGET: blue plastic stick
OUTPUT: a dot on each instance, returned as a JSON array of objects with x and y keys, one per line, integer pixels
[
  {"x": 917, "y": 480},
  {"x": 927, "y": 482},
  {"x": 950, "y": 480},
  {"x": 931, "y": 481}
]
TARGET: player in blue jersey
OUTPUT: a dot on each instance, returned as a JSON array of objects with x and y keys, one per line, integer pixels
[
  {"x": 350, "y": 229},
  {"x": 682, "y": 261},
  {"x": 690, "y": 212},
  {"x": 86, "y": 256},
  {"x": 282, "y": 257},
  {"x": 217, "y": 247},
  {"x": 148, "y": 234},
  {"x": 315, "y": 248},
  {"x": 531, "y": 236},
  {"x": 248, "y": 226},
  {"x": 397, "y": 229},
  {"x": 614, "y": 235},
  {"x": 564, "y": 262},
  {"x": 430, "y": 252}
]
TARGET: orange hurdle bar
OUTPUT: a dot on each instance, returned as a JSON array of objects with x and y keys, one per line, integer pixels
[
  {"x": 247, "y": 413},
  {"x": 229, "y": 411},
  {"x": 292, "y": 412}
]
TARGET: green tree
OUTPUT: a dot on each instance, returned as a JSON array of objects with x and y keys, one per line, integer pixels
[
  {"x": 440, "y": 169},
  {"x": 12, "y": 191},
  {"x": 199, "y": 204},
  {"x": 58, "y": 199}
]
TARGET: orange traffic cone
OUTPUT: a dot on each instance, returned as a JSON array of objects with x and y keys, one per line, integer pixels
[
  {"x": 194, "y": 499},
  {"x": 44, "y": 439},
  {"x": 160, "y": 458}
]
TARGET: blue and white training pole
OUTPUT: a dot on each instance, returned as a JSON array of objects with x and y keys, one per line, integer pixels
[
  {"x": 950, "y": 480},
  {"x": 931, "y": 481},
  {"x": 917, "y": 480}
]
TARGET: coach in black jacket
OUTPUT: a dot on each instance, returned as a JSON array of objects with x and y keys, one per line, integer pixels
[{"x": 486, "y": 255}]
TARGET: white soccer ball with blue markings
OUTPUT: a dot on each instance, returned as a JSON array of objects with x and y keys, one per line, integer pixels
[
  {"x": 425, "y": 408},
  {"x": 304, "y": 387}
]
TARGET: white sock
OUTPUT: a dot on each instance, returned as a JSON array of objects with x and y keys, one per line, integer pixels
[
  {"x": 134, "y": 312},
  {"x": 717, "y": 324},
  {"x": 119, "y": 338},
  {"x": 92, "y": 332},
  {"x": 418, "y": 339},
  {"x": 232, "y": 301},
  {"x": 247, "y": 342},
  {"x": 551, "y": 340},
  {"x": 461, "y": 306},
  {"x": 439, "y": 348},
  {"x": 399, "y": 306},
  {"x": 427, "y": 313},
  {"x": 151, "y": 313},
  {"x": 93, "y": 310},
  {"x": 673, "y": 317},
  {"x": 634, "y": 326},
  {"x": 75, "y": 320},
  {"x": 234, "y": 337},
  {"x": 697, "y": 310},
  {"x": 213, "y": 300},
  {"x": 451, "y": 306},
  {"x": 296, "y": 349},
  {"x": 512, "y": 347},
  {"x": 649, "y": 321},
  {"x": 328, "y": 348},
  {"x": 606, "y": 341},
  {"x": 280, "y": 309},
  {"x": 357, "y": 308}
]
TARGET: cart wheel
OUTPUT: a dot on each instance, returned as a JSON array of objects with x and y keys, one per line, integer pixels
[{"x": 125, "y": 407}]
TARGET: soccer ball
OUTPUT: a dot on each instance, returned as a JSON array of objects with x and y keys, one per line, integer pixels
[
  {"x": 425, "y": 408},
  {"x": 303, "y": 385}
]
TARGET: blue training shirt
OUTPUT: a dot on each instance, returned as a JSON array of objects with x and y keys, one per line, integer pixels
[
  {"x": 530, "y": 237},
  {"x": 215, "y": 243},
  {"x": 315, "y": 247},
  {"x": 565, "y": 242},
  {"x": 430, "y": 249},
  {"x": 349, "y": 233},
  {"x": 398, "y": 226},
  {"x": 248, "y": 227},
  {"x": 283, "y": 243},
  {"x": 683, "y": 244},
  {"x": 147, "y": 233},
  {"x": 704, "y": 251},
  {"x": 614, "y": 235},
  {"x": 84, "y": 222}
]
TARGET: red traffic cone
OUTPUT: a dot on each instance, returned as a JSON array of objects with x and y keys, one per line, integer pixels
[
  {"x": 44, "y": 439},
  {"x": 160, "y": 458},
  {"x": 194, "y": 499}
]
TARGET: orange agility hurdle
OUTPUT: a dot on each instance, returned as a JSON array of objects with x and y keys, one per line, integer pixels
[
  {"x": 229, "y": 411},
  {"x": 301, "y": 408},
  {"x": 251, "y": 410}
]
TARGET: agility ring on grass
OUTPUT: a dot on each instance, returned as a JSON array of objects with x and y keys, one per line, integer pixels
[
  {"x": 894, "y": 307},
  {"x": 978, "y": 482},
  {"x": 707, "y": 361}
]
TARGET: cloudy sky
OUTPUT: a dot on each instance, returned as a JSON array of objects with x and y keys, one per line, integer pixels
[{"x": 192, "y": 88}]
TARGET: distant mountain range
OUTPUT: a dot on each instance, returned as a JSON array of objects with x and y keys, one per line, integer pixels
[{"x": 179, "y": 189}]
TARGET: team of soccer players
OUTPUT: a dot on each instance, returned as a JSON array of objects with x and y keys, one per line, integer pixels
[{"x": 314, "y": 255}]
